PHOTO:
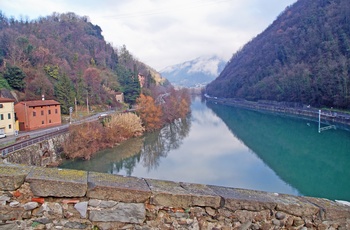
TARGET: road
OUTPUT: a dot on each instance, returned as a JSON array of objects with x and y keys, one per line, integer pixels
[{"x": 10, "y": 139}]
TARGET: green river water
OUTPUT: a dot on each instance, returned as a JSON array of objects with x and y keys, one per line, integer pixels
[{"x": 234, "y": 147}]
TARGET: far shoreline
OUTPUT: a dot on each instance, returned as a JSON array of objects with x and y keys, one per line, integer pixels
[{"x": 286, "y": 108}]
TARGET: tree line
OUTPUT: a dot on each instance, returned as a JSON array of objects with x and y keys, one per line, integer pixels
[
  {"x": 303, "y": 56},
  {"x": 65, "y": 58},
  {"x": 155, "y": 109}
]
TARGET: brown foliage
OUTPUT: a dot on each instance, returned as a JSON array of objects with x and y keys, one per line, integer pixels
[
  {"x": 149, "y": 112},
  {"x": 124, "y": 125},
  {"x": 176, "y": 105},
  {"x": 169, "y": 105},
  {"x": 86, "y": 139}
]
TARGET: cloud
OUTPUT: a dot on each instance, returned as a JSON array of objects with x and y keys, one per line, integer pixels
[{"x": 164, "y": 33}]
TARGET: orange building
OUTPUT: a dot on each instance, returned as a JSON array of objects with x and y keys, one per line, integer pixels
[{"x": 38, "y": 114}]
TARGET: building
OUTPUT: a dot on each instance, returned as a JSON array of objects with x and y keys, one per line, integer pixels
[
  {"x": 38, "y": 114},
  {"x": 7, "y": 117},
  {"x": 119, "y": 97},
  {"x": 142, "y": 80}
]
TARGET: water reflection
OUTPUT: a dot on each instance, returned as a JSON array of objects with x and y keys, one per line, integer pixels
[
  {"x": 159, "y": 144},
  {"x": 232, "y": 147},
  {"x": 148, "y": 150},
  {"x": 125, "y": 156},
  {"x": 316, "y": 164}
]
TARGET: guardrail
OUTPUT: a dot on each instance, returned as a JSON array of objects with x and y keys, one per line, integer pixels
[{"x": 20, "y": 145}]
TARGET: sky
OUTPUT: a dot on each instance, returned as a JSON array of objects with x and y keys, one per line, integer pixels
[{"x": 162, "y": 33}]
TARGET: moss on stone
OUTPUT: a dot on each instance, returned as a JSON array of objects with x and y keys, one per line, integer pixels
[
  {"x": 58, "y": 174},
  {"x": 13, "y": 171}
]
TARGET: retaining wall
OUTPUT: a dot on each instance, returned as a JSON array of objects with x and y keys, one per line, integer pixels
[
  {"x": 52, "y": 198},
  {"x": 44, "y": 153},
  {"x": 342, "y": 119}
]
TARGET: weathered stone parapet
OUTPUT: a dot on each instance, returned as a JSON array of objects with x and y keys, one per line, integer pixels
[
  {"x": 52, "y": 198},
  {"x": 118, "y": 188},
  {"x": 57, "y": 182},
  {"x": 12, "y": 176}
]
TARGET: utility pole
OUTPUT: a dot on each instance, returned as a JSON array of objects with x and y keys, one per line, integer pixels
[
  {"x": 76, "y": 107},
  {"x": 319, "y": 121},
  {"x": 87, "y": 102}
]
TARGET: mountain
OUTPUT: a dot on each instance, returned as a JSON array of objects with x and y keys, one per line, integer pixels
[
  {"x": 194, "y": 73},
  {"x": 303, "y": 56},
  {"x": 65, "y": 58}
]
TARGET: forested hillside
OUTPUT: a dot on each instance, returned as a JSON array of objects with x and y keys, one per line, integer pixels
[
  {"x": 64, "y": 56},
  {"x": 304, "y": 56}
]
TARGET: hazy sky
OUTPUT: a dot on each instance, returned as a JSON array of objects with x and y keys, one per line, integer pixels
[{"x": 161, "y": 33}]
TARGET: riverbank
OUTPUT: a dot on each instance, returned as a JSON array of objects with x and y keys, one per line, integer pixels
[{"x": 292, "y": 109}]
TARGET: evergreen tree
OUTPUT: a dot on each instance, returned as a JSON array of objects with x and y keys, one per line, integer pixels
[
  {"x": 130, "y": 84},
  {"x": 14, "y": 76},
  {"x": 64, "y": 93}
]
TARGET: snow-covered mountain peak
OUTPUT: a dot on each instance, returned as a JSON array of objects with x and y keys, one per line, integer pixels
[{"x": 199, "y": 71}]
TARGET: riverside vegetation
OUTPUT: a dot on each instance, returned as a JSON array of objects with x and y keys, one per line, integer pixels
[
  {"x": 151, "y": 114},
  {"x": 65, "y": 58}
]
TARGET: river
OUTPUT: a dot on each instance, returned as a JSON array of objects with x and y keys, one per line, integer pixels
[{"x": 234, "y": 147}]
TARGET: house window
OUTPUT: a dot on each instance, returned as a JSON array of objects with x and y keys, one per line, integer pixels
[
  {"x": 1, "y": 116},
  {"x": 42, "y": 122},
  {"x": 42, "y": 112},
  {"x": 9, "y": 116},
  {"x": 1, "y": 106},
  {"x": 49, "y": 111},
  {"x": 56, "y": 111},
  {"x": 49, "y": 121},
  {"x": 10, "y": 126},
  {"x": 34, "y": 113}
]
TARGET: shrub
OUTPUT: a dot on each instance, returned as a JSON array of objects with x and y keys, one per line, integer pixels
[
  {"x": 84, "y": 140},
  {"x": 126, "y": 125},
  {"x": 88, "y": 138}
]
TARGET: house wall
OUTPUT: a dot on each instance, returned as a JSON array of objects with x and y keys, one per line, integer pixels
[
  {"x": 20, "y": 114},
  {"x": 120, "y": 97},
  {"x": 38, "y": 117},
  {"x": 7, "y": 118}
]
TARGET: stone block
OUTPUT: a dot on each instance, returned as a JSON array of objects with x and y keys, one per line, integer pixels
[
  {"x": 295, "y": 206},
  {"x": 12, "y": 176},
  {"x": 169, "y": 194},
  {"x": 185, "y": 195},
  {"x": 330, "y": 210},
  {"x": 57, "y": 182},
  {"x": 118, "y": 188},
  {"x": 9, "y": 213},
  {"x": 241, "y": 199},
  {"x": 122, "y": 212},
  {"x": 203, "y": 195}
]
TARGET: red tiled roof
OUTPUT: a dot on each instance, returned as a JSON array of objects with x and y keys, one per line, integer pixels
[
  {"x": 39, "y": 103},
  {"x": 4, "y": 99}
]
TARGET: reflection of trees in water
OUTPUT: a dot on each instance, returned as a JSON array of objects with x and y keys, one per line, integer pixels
[
  {"x": 158, "y": 144},
  {"x": 130, "y": 152},
  {"x": 127, "y": 164},
  {"x": 148, "y": 149},
  {"x": 155, "y": 145}
]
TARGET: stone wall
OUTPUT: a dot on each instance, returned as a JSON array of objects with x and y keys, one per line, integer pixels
[
  {"x": 341, "y": 119},
  {"x": 45, "y": 153},
  {"x": 53, "y": 198}
]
